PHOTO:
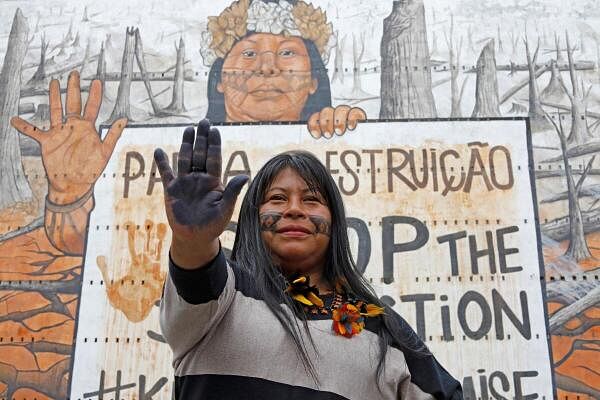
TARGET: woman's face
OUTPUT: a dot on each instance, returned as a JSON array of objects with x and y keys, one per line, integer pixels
[
  {"x": 295, "y": 224},
  {"x": 266, "y": 77}
]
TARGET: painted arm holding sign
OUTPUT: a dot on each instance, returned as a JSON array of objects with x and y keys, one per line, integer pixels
[
  {"x": 74, "y": 157},
  {"x": 289, "y": 315}
]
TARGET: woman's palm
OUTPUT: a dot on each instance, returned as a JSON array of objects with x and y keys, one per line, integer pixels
[{"x": 198, "y": 206}]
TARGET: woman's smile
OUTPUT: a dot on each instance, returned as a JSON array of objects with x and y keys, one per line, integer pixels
[{"x": 294, "y": 231}]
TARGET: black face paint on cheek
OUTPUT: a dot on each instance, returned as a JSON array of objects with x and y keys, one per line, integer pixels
[
  {"x": 321, "y": 225},
  {"x": 269, "y": 220}
]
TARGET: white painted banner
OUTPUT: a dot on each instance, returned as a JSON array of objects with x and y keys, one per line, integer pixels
[{"x": 442, "y": 221}]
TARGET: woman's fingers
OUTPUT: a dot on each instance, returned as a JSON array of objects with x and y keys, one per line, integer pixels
[
  {"x": 55, "y": 103},
  {"x": 200, "y": 146},
  {"x": 340, "y": 117},
  {"x": 164, "y": 169},
  {"x": 326, "y": 121},
  {"x": 355, "y": 115},
  {"x": 213, "y": 154},
  {"x": 184, "y": 161},
  {"x": 73, "y": 95},
  {"x": 232, "y": 191},
  {"x": 94, "y": 100},
  {"x": 27, "y": 129}
]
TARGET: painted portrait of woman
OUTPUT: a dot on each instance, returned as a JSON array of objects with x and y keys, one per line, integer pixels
[{"x": 267, "y": 62}]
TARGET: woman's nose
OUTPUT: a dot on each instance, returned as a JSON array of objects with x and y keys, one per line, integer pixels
[
  {"x": 268, "y": 64},
  {"x": 294, "y": 209}
]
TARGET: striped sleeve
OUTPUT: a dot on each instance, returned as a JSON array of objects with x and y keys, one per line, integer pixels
[
  {"x": 428, "y": 378},
  {"x": 193, "y": 303}
]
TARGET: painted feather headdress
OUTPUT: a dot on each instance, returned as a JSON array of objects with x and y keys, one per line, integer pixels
[{"x": 279, "y": 18}]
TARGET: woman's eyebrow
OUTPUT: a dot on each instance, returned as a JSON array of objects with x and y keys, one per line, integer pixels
[
  {"x": 307, "y": 190},
  {"x": 249, "y": 40}
]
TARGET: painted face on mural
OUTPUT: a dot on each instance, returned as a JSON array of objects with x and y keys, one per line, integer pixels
[{"x": 267, "y": 77}]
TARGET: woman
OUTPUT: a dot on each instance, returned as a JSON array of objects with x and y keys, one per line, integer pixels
[
  {"x": 267, "y": 63},
  {"x": 255, "y": 326}
]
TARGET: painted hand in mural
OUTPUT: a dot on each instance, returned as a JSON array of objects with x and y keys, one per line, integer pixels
[
  {"x": 136, "y": 292},
  {"x": 198, "y": 206},
  {"x": 335, "y": 120},
  {"x": 73, "y": 154}
]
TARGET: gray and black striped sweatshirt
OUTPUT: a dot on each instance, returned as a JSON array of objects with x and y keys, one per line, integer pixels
[{"x": 227, "y": 344}]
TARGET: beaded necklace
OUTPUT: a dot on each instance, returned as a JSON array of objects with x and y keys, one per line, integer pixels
[
  {"x": 326, "y": 310},
  {"x": 348, "y": 316}
]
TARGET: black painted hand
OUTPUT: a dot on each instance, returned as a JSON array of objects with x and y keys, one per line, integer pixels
[{"x": 198, "y": 206}]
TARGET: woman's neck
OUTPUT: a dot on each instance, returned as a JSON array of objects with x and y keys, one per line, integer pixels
[{"x": 316, "y": 279}]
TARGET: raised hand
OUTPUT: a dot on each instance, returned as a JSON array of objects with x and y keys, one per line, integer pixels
[
  {"x": 73, "y": 154},
  {"x": 198, "y": 206},
  {"x": 330, "y": 121}
]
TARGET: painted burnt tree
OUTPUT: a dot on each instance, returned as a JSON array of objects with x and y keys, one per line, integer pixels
[
  {"x": 553, "y": 93},
  {"x": 559, "y": 57},
  {"x": 578, "y": 248},
  {"x": 405, "y": 63},
  {"x": 487, "y": 103},
  {"x": 358, "y": 52},
  {"x": 338, "y": 71},
  {"x": 434, "y": 46},
  {"x": 141, "y": 62},
  {"x": 454, "y": 53},
  {"x": 499, "y": 39},
  {"x": 578, "y": 95},
  {"x": 514, "y": 41},
  {"x": 15, "y": 188},
  {"x": 536, "y": 113},
  {"x": 134, "y": 49},
  {"x": 40, "y": 73},
  {"x": 101, "y": 66},
  {"x": 122, "y": 107},
  {"x": 177, "y": 105}
]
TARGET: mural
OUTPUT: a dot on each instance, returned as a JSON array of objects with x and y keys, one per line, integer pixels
[{"x": 325, "y": 63}]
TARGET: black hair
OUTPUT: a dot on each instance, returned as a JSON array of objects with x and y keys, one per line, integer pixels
[
  {"x": 315, "y": 102},
  {"x": 251, "y": 254}
]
